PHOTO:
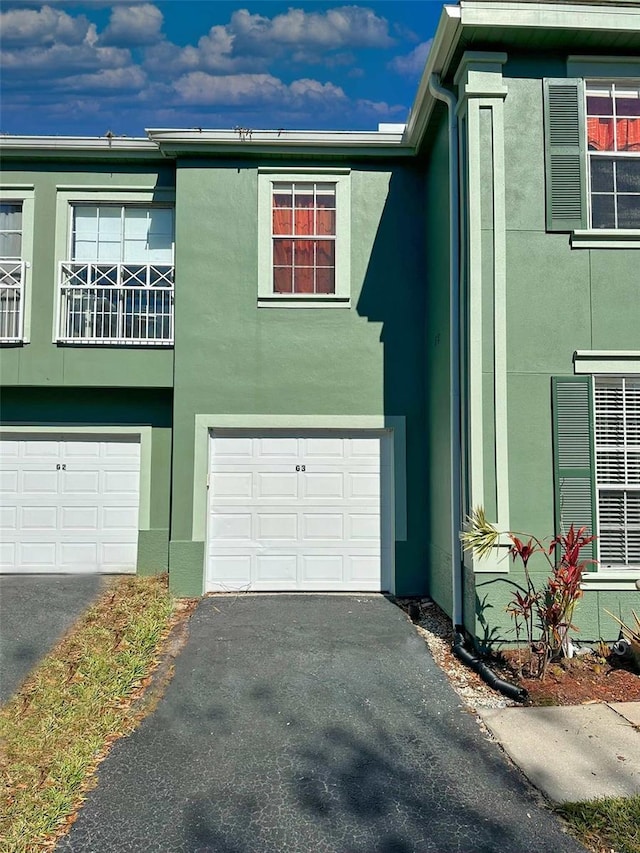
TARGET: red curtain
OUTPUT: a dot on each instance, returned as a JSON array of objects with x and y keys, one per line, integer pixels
[{"x": 601, "y": 137}]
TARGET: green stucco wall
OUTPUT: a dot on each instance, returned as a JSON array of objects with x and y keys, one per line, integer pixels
[
  {"x": 437, "y": 365},
  {"x": 235, "y": 358},
  {"x": 42, "y": 362},
  {"x": 559, "y": 300}
]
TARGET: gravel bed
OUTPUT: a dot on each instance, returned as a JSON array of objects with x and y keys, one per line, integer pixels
[{"x": 435, "y": 628}]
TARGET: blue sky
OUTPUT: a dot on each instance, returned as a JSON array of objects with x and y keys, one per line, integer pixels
[{"x": 85, "y": 68}]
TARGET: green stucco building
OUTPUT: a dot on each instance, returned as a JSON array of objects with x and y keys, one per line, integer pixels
[{"x": 295, "y": 360}]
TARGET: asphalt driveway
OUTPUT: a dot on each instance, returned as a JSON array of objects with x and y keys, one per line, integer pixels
[
  {"x": 309, "y": 724},
  {"x": 35, "y": 611}
]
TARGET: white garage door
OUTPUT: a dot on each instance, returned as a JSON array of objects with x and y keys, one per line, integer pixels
[
  {"x": 69, "y": 504},
  {"x": 299, "y": 512}
]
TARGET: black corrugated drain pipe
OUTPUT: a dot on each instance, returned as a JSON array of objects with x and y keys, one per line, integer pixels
[{"x": 477, "y": 665}]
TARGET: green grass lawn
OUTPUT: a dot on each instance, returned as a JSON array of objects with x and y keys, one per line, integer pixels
[
  {"x": 606, "y": 825},
  {"x": 73, "y": 706}
]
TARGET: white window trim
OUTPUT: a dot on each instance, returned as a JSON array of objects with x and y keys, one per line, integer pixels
[
  {"x": 342, "y": 297},
  {"x": 608, "y": 363},
  {"x": 611, "y": 83},
  {"x": 24, "y": 194},
  {"x": 69, "y": 195}
]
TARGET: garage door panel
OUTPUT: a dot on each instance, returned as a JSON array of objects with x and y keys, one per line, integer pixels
[
  {"x": 323, "y": 526},
  {"x": 80, "y": 483},
  {"x": 277, "y": 448},
  {"x": 117, "y": 556},
  {"x": 277, "y": 485},
  {"x": 39, "y": 518},
  {"x": 79, "y": 554},
  {"x": 231, "y": 570},
  {"x": 121, "y": 483},
  {"x": 232, "y": 485},
  {"x": 8, "y": 518},
  {"x": 38, "y": 482},
  {"x": 328, "y": 485},
  {"x": 314, "y": 529},
  {"x": 75, "y": 450},
  {"x": 364, "y": 486},
  {"x": 7, "y": 555},
  {"x": 74, "y": 518},
  {"x": 318, "y": 449},
  {"x": 276, "y": 526},
  {"x": 230, "y": 525},
  {"x": 37, "y": 556},
  {"x": 234, "y": 448},
  {"x": 322, "y": 568},
  {"x": 71, "y": 505},
  {"x": 113, "y": 518},
  {"x": 364, "y": 526},
  {"x": 41, "y": 449},
  {"x": 275, "y": 568}
]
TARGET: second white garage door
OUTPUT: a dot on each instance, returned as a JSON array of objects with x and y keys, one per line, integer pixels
[
  {"x": 69, "y": 503},
  {"x": 299, "y": 512}
]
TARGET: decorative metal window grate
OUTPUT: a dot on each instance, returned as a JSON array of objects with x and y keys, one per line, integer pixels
[
  {"x": 617, "y": 434},
  {"x": 118, "y": 303},
  {"x": 11, "y": 301}
]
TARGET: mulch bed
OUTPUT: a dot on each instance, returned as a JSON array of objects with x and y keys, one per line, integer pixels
[{"x": 576, "y": 681}]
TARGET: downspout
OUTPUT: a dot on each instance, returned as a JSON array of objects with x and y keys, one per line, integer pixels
[{"x": 440, "y": 93}]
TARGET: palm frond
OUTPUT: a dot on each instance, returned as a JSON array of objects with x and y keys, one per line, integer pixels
[{"x": 479, "y": 535}]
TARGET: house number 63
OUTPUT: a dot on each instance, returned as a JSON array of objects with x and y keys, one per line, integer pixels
[{"x": 301, "y": 467}]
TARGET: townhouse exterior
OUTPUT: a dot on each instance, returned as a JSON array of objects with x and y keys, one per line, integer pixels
[{"x": 294, "y": 361}]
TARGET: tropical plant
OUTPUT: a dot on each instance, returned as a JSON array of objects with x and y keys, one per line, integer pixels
[{"x": 544, "y": 614}]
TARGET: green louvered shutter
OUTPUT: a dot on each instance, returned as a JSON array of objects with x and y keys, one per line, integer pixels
[
  {"x": 565, "y": 154},
  {"x": 573, "y": 455}
]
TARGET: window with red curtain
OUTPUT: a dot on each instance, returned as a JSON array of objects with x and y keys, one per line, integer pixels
[
  {"x": 304, "y": 237},
  {"x": 613, "y": 143}
]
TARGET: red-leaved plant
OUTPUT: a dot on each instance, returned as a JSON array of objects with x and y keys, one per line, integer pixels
[{"x": 544, "y": 614}]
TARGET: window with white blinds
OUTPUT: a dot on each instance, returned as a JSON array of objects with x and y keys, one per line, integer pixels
[{"x": 617, "y": 440}]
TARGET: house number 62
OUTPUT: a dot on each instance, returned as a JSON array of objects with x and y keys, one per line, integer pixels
[
  {"x": 301, "y": 467},
  {"x": 60, "y": 467}
]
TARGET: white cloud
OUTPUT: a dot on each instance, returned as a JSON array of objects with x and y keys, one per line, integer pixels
[
  {"x": 44, "y": 26},
  {"x": 133, "y": 25},
  {"x": 254, "y": 89},
  {"x": 412, "y": 64},
  {"x": 343, "y": 27},
  {"x": 109, "y": 80},
  {"x": 249, "y": 42},
  {"x": 61, "y": 60}
]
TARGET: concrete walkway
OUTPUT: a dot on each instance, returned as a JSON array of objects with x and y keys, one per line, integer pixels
[
  {"x": 573, "y": 753},
  {"x": 35, "y": 611},
  {"x": 310, "y": 724}
]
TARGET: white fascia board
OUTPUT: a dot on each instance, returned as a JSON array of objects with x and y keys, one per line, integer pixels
[
  {"x": 75, "y": 143},
  {"x": 444, "y": 42},
  {"x": 571, "y": 16},
  {"x": 176, "y": 139}
]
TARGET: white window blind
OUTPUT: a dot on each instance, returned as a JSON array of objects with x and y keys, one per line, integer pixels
[
  {"x": 617, "y": 438},
  {"x": 119, "y": 234}
]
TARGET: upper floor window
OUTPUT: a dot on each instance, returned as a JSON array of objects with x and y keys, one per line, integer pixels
[
  {"x": 304, "y": 239},
  {"x": 117, "y": 286},
  {"x": 12, "y": 272},
  {"x": 592, "y": 159},
  {"x": 613, "y": 143},
  {"x": 304, "y": 234}
]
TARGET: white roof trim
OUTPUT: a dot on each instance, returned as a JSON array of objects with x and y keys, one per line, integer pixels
[
  {"x": 74, "y": 143},
  {"x": 247, "y": 136}
]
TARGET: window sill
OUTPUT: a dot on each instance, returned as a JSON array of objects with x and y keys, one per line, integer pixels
[
  {"x": 606, "y": 238},
  {"x": 312, "y": 301},
  {"x": 612, "y": 580}
]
